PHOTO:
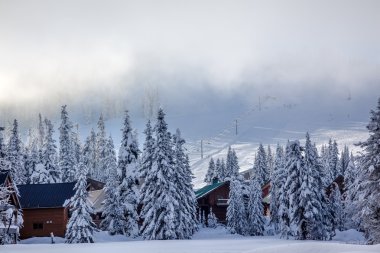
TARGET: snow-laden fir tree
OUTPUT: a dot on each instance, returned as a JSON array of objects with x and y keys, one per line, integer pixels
[
  {"x": 220, "y": 167},
  {"x": 332, "y": 166},
  {"x": 80, "y": 228},
  {"x": 369, "y": 180},
  {"x": 212, "y": 221},
  {"x": 344, "y": 160},
  {"x": 127, "y": 167},
  {"x": 101, "y": 142},
  {"x": 113, "y": 213},
  {"x": 270, "y": 161},
  {"x": 294, "y": 164},
  {"x": 4, "y": 163},
  {"x": 232, "y": 168},
  {"x": 211, "y": 172},
  {"x": 159, "y": 194},
  {"x": 16, "y": 156},
  {"x": 350, "y": 199},
  {"x": 186, "y": 213},
  {"x": 66, "y": 148},
  {"x": 41, "y": 132},
  {"x": 236, "y": 214},
  {"x": 311, "y": 223},
  {"x": 284, "y": 205},
  {"x": 255, "y": 209},
  {"x": 277, "y": 178},
  {"x": 260, "y": 167},
  {"x": 336, "y": 207},
  {"x": 49, "y": 154},
  {"x": 32, "y": 159},
  {"x": 89, "y": 154},
  {"x": 76, "y": 144},
  {"x": 147, "y": 155}
]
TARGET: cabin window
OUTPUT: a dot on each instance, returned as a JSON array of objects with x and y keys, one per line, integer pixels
[{"x": 38, "y": 226}]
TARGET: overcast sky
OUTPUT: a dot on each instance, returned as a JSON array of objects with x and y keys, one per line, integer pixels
[{"x": 119, "y": 52}]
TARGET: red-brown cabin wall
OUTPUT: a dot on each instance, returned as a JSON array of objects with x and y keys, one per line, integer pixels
[{"x": 53, "y": 220}]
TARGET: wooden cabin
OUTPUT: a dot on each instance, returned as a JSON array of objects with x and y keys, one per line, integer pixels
[
  {"x": 9, "y": 208},
  {"x": 216, "y": 196},
  {"x": 44, "y": 210}
]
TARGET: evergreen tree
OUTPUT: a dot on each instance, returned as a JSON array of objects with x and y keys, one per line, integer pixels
[
  {"x": 294, "y": 165},
  {"x": 101, "y": 142},
  {"x": 211, "y": 172},
  {"x": 146, "y": 160},
  {"x": 278, "y": 178},
  {"x": 236, "y": 221},
  {"x": 127, "y": 165},
  {"x": 50, "y": 154},
  {"x": 336, "y": 207},
  {"x": 66, "y": 149},
  {"x": 350, "y": 208},
  {"x": 270, "y": 161},
  {"x": 158, "y": 192},
  {"x": 16, "y": 156},
  {"x": 311, "y": 224},
  {"x": 369, "y": 183},
  {"x": 186, "y": 213},
  {"x": 4, "y": 163},
  {"x": 344, "y": 160},
  {"x": 76, "y": 144},
  {"x": 32, "y": 159},
  {"x": 220, "y": 168},
  {"x": 212, "y": 221},
  {"x": 255, "y": 209},
  {"x": 41, "y": 132},
  {"x": 113, "y": 212},
  {"x": 231, "y": 170},
  {"x": 80, "y": 228},
  {"x": 89, "y": 154},
  {"x": 260, "y": 167},
  {"x": 332, "y": 169},
  {"x": 284, "y": 196}
]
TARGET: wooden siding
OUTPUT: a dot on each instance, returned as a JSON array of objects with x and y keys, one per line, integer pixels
[
  {"x": 211, "y": 200},
  {"x": 53, "y": 220}
]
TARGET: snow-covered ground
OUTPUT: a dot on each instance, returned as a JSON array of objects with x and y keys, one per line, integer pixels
[{"x": 206, "y": 240}]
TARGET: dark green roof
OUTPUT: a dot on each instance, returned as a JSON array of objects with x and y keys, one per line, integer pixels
[{"x": 207, "y": 189}]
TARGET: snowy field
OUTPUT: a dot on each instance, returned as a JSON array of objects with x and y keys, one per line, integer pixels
[{"x": 206, "y": 240}]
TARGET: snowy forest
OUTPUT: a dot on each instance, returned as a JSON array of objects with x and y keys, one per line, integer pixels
[{"x": 149, "y": 192}]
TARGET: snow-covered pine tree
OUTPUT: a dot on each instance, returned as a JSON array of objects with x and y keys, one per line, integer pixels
[
  {"x": 32, "y": 159},
  {"x": 344, "y": 160},
  {"x": 270, "y": 161},
  {"x": 278, "y": 178},
  {"x": 41, "y": 132},
  {"x": 311, "y": 225},
  {"x": 294, "y": 165},
  {"x": 101, "y": 142},
  {"x": 89, "y": 154},
  {"x": 4, "y": 163},
  {"x": 369, "y": 183},
  {"x": 186, "y": 220},
  {"x": 50, "y": 156},
  {"x": 332, "y": 169},
  {"x": 158, "y": 192},
  {"x": 220, "y": 167},
  {"x": 211, "y": 172},
  {"x": 66, "y": 149},
  {"x": 350, "y": 199},
  {"x": 255, "y": 209},
  {"x": 336, "y": 207},
  {"x": 80, "y": 228},
  {"x": 236, "y": 215},
  {"x": 212, "y": 221},
  {"x": 284, "y": 205},
  {"x": 113, "y": 213},
  {"x": 127, "y": 166},
  {"x": 147, "y": 155},
  {"x": 260, "y": 167},
  {"x": 76, "y": 144},
  {"x": 231, "y": 170},
  {"x": 16, "y": 156}
]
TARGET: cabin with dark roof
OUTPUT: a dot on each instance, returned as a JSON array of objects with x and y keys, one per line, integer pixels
[
  {"x": 9, "y": 207},
  {"x": 216, "y": 196},
  {"x": 44, "y": 210}
]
